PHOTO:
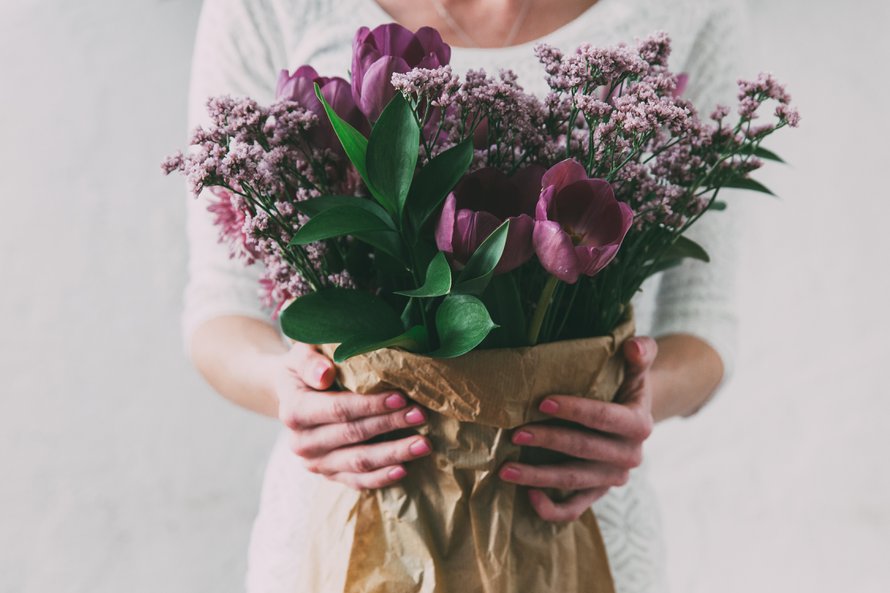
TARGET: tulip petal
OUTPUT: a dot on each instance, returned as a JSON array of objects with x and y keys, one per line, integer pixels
[
  {"x": 377, "y": 87},
  {"x": 518, "y": 248},
  {"x": 528, "y": 181},
  {"x": 432, "y": 43},
  {"x": 471, "y": 229},
  {"x": 445, "y": 226},
  {"x": 563, "y": 173},
  {"x": 555, "y": 251},
  {"x": 592, "y": 259}
]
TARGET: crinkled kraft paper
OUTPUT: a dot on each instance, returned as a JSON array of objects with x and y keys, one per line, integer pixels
[{"x": 452, "y": 526}]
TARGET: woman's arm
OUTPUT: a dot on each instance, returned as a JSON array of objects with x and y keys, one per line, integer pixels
[{"x": 684, "y": 376}]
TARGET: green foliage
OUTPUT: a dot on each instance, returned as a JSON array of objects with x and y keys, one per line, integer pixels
[
  {"x": 413, "y": 340},
  {"x": 476, "y": 275},
  {"x": 347, "y": 219},
  {"x": 437, "y": 281},
  {"x": 435, "y": 180},
  {"x": 392, "y": 154},
  {"x": 354, "y": 143},
  {"x": 462, "y": 323},
  {"x": 335, "y": 315},
  {"x": 749, "y": 184}
]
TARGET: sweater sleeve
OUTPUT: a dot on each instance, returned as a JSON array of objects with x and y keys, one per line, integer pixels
[
  {"x": 698, "y": 298},
  {"x": 237, "y": 52}
]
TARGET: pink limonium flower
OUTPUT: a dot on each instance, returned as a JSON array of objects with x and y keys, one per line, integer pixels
[
  {"x": 379, "y": 53},
  {"x": 300, "y": 87},
  {"x": 579, "y": 224},
  {"x": 479, "y": 204}
]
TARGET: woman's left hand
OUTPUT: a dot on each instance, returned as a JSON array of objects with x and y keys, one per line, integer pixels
[{"x": 607, "y": 440}]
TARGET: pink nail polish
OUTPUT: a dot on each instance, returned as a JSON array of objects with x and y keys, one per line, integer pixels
[
  {"x": 510, "y": 474},
  {"x": 397, "y": 473},
  {"x": 420, "y": 447},
  {"x": 548, "y": 406},
  {"x": 320, "y": 371},
  {"x": 395, "y": 401},
  {"x": 414, "y": 416},
  {"x": 523, "y": 437}
]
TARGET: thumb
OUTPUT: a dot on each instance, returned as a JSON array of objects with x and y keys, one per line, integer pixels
[{"x": 639, "y": 354}]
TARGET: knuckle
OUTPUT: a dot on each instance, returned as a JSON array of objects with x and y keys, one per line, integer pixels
[
  {"x": 647, "y": 425},
  {"x": 355, "y": 432},
  {"x": 571, "y": 480},
  {"x": 622, "y": 478},
  {"x": 340, "y": 410},
  {"x": 363, "y": 464},
  {"x": 299, "y": 446},
  {"x": 634, "y": 458},
  {"x": 288, "y": 418}
]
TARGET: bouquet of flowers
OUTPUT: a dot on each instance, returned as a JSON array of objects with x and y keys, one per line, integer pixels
[{"x": 477, "y": 247}]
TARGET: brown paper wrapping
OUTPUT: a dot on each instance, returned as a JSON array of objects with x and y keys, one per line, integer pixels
[{"x": 452, "y": 526}]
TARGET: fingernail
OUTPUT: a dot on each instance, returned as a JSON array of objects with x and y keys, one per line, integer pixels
[
  {"x": 510, "y": 474},
  {"x": 420, "y": 447},
  {"x": 548, "y": 406},
  {"x": 414, "y": 416},
  {"x": 397, "y": 473},
  {"x": 320, "y": 371},
  {"x": 523, "y": 437},
  {"x": 395, "y": 401}
]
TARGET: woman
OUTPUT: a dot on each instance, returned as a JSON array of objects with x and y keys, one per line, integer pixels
[{"x": 241, "y": 47}]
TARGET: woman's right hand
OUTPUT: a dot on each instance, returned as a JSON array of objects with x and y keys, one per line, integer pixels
[{"x": 330, "y": 429}]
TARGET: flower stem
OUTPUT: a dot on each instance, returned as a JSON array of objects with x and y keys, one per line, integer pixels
[{"x": 534, "y": 328}]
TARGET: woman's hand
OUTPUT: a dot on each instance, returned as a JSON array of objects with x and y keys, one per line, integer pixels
[
  {"x": 607, "y": 440},
  {"x": 330, "y": 430}
]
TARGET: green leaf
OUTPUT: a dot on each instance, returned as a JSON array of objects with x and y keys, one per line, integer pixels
[
  {"x": 334, "y": 315},
  {"x": 718, "y": 206},
  {"x": 339, "y": 221},
  {"x": 354, "y": 143},
  {"x": 684, "y": 247},
  {"x": 314, "y": 206},
  {"x": 746, "y": 183},
  {"x": 436, "y": 179},
  {"x": 413, "y": 340},
  {"x": 437, "y": 281},
  {"x": 462, "y": 322},
  {"x": 769, "y": 155},
  {"x": 476, "y": 275},
  {"x": 392, "y": 154},
  {"x": 388, "y": 241}
]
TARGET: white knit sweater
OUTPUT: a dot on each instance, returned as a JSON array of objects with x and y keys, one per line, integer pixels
[{"x": 240, "y": 48}]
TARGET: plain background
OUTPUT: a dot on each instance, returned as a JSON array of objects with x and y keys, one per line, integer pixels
[{"x": 120, "y": 471}]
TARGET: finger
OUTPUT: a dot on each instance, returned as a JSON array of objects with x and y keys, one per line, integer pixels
[
  {"x": 568, "y": 510},
  {"x": 582, "y": 444},
  {"x": 639, "y": 354},
  {"x": 363, "y": 459},
  {"x": 572, "y": 475},
  {"x": 380, "y": 478},
  {"x": 318, "y": 408},
  {"x": 632, "y": 422},
  {"x": 314, "y": 368},
  {"x": 320, "y": 440}
]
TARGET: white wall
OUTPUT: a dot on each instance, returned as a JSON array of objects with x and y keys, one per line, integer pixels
[{"x": 122, "y": 472}]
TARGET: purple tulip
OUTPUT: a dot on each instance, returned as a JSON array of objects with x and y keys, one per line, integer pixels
[
  {"x": 579, "y": 224},
  {"x": 377, "y": 54},
  {"x": 300, "y": 87},
  {"x": 479, "y": 204}
]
